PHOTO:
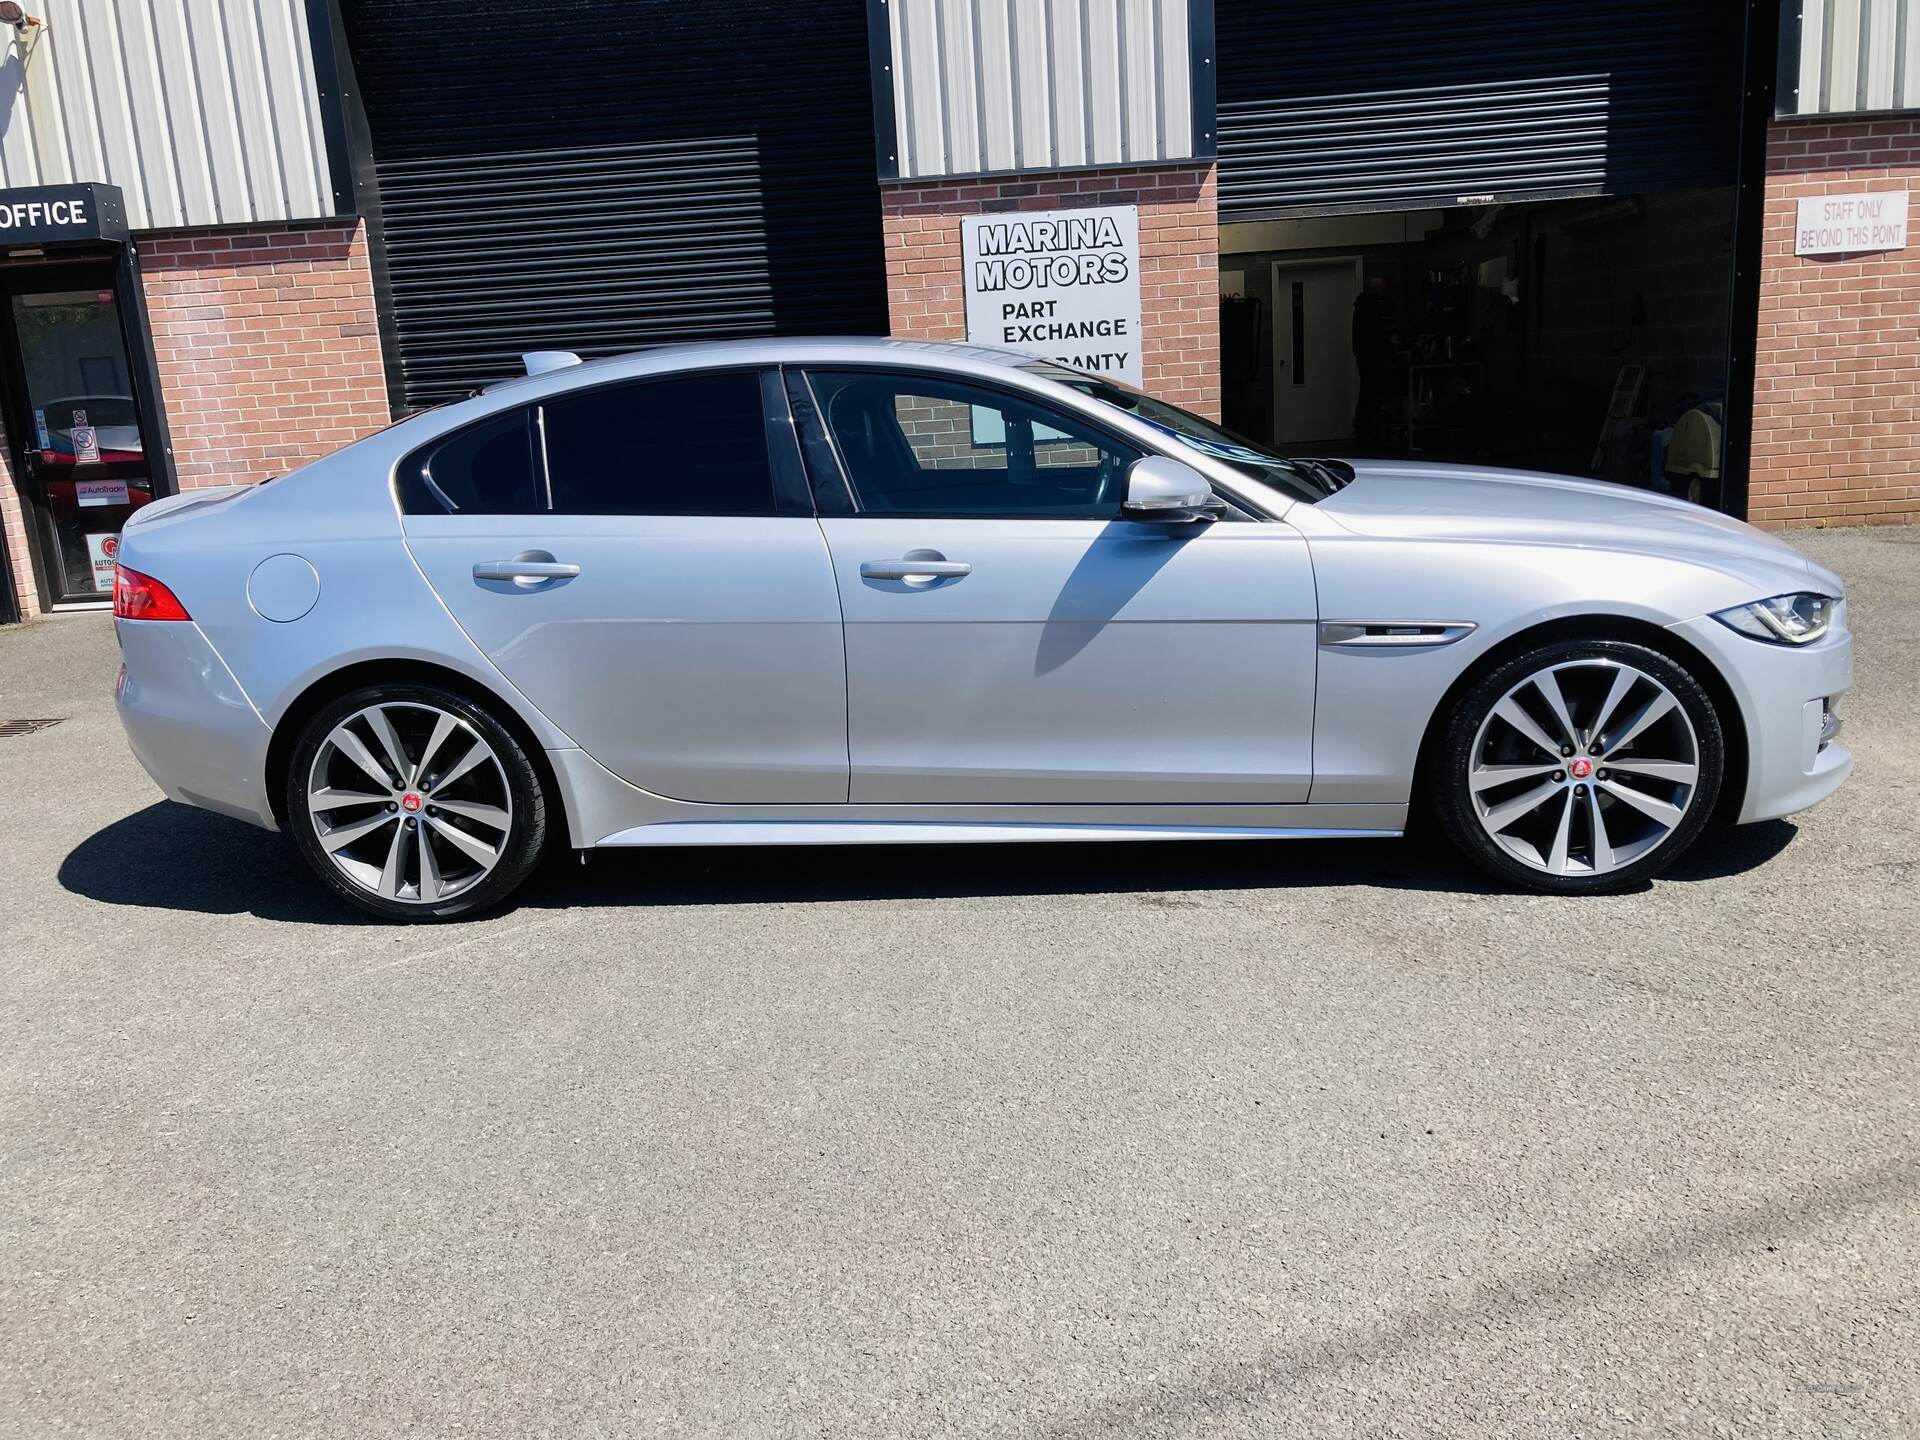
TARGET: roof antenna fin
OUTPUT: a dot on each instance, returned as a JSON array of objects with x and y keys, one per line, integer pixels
[{"x": 539, "y": 362}]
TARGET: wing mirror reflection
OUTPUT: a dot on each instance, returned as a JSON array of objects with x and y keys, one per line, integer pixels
[{"x": 1161, "y": 489}]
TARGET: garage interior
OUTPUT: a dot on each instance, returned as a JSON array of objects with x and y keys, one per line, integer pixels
[
  {"x": 1507, "y": 237},
  {"x": 1584, "y": 337}
]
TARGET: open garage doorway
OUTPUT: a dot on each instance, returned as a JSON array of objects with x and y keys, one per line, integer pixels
[{"x": 1584, "y": 336}]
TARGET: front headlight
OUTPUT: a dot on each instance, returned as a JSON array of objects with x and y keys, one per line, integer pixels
[{"x": 1784, "y": 619}]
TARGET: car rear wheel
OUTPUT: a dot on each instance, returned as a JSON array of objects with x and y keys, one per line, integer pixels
[
  {"x": 1580, "y": 767},
  {"x": 415, "y": 803}
]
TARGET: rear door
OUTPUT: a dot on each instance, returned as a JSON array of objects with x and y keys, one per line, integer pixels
[
  {"x": 641, "y": 560},
  {"x": 1012, "y": 641}
]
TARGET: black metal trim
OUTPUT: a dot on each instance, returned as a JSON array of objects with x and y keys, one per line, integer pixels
[
  {"x": 9, "y": 596},
  {"x": 1119, "y": 169},
  {"x": 356, "y": 183},
  {"x": 1759, "y": 71},
  {"x": 131, "y": 296},
  {"x": 325, "y": 37},
  {"x": 1786, "y": 75},
  {"x": 886, "y": 136},
  {"x": 1205, "y": 79}
]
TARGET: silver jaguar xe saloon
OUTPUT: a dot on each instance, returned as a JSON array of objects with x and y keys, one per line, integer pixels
[{"x": 867, "y": 592}]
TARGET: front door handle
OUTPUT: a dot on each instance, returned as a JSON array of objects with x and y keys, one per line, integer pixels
[
  {"x": 911, "y": 569},
  {"x": 533, "y": 567}
]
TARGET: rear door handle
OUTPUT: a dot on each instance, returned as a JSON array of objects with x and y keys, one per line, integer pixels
[
  {"x": 525, "y": 570},
  {"x": 914, "y": 569}
]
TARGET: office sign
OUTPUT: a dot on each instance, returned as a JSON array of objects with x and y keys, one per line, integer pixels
[
  {"x": 1063, "y": 284},
  {"x": 1849, "y": 224},
  {"x": 51, "y": 214}
]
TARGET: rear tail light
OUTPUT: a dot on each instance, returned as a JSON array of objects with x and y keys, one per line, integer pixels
[{"x": 141, "y": 597}]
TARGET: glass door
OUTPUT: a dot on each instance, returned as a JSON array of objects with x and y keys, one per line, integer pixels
[{"x": 77, "y": 432}]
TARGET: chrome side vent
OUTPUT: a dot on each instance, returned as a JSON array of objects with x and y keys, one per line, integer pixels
[{"x": 1393, "y": 634}]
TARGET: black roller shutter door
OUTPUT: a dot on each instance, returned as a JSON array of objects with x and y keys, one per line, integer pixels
[
  {"x": 1330, "y": 105},
  {"x": 599, "y": 175}
]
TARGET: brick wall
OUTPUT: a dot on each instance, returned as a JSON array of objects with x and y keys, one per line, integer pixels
[
  {"x": 1179, "y": 262},
  {"x": 267, "y": 351},
  {"x": 1837, "y": 373},
  {"x": 13, "y": 532}
]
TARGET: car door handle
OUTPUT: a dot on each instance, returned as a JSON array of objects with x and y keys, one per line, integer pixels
[
  {"x": 521, "y": 570},
  {"x": 913, "y": 569}
]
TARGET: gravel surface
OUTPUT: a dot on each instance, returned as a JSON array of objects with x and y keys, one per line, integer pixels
[{"x": 1066, "y": 1141}]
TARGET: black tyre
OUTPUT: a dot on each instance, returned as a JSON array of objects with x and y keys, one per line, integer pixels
[
  {"x": 414, "y": 803},
  {"x": 1580, "y": 767}
]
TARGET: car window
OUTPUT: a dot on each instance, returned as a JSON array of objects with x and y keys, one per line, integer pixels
[
  {"x": 485, "y": 469},
  {"x": 1299, "y": 479},
  {"x": 686, "y": 445},
  {"x": 918, "y": 445}
]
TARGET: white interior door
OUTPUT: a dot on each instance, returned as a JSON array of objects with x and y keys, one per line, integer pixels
[{"x": 1314, "y": 381}]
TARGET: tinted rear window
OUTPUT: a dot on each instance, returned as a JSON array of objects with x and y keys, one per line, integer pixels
[
  {"x": 691, "y": 445},
  {"x": 485, "y": 469}
]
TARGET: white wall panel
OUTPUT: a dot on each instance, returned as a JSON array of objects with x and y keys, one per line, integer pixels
[
  {"x": 203, "y": 112},
  {"x": 992, "y": 86},
  {"x": 1855, "y": 56}
]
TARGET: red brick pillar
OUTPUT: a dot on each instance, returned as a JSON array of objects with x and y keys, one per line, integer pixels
[
  {"x": 267, "y": 344},
  {"x": 1837, "y": 369},
  {"x": 1179, "y": 261}
]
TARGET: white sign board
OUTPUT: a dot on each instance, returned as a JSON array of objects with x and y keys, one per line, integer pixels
[
  {"x": 102, "y": 550},
  {"x": 100, "y": 492},
  {"x": 86, "y": 442},
  {"x": 1063, "y": 284},
  {"x": 1844, "y": 224}
]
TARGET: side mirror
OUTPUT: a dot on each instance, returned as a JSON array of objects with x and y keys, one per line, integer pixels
[{"x": 1162, "y": 489}]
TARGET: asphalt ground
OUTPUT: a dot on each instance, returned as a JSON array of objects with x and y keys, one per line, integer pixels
[{"x": 1063, "y": 1141}]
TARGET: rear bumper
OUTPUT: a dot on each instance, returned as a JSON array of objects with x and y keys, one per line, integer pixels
[
  {"x": 1782, "y": 694},
  {"x": 189, "y": 723}
]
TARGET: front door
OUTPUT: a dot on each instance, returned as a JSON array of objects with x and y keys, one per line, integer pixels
[
  {"x": 1012, "y": 641},
  {"x": 80, "y": 442},
  {"x": 1314, "y": 379}
]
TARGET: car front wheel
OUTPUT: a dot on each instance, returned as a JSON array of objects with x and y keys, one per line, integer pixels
[
  {"x": 415, "y": 803},
  {"x": 1580, "y": 767}
]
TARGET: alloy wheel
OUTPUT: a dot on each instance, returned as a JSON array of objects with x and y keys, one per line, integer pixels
[
  {"x": 1584, "y": 767},
  {"x": 409, "y": 802}
]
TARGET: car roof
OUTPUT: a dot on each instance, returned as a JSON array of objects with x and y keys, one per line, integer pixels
[{"x": 812, "y": 350}]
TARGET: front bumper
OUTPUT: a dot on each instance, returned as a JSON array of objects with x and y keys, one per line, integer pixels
[
  {"x": 1784, "y": 695},
  {"x": 190, "y": 724}
]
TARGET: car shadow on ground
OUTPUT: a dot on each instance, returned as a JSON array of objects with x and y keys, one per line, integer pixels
[{"x": 172, "y": 857}]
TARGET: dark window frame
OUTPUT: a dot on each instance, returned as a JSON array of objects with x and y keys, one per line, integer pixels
[
  {"x": 414, "y": 479},
  {"x": 833, "y": 488},
  {"x": 790, "y": 491}
]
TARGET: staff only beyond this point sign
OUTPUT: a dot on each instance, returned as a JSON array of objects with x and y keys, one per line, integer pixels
[
  {"x": 1063, "y": 284},
  {"x": 1845, "y": 224}
]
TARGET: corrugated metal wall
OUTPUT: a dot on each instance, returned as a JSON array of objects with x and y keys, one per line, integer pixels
[
  {"x": 204, "y": 112},
  {"x": 1854, "y": 55},
  {"x": 981, "y": 86}
]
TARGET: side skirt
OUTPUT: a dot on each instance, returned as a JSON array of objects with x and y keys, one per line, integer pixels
[{"x": 1306, "y": 826}]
